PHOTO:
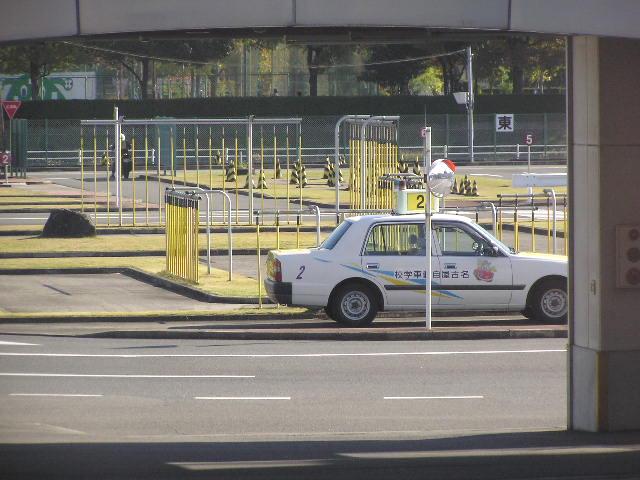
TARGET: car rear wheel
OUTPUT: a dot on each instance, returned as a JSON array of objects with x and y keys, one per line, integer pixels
[
  {"x": 354, "y": 305},
  {"x": 550, "y": 303}
]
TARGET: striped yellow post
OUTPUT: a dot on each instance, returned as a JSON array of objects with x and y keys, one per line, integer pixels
[
  {"x": 173, "y": 170},
  {"x": 549, "y": 250},
  {"x": 533, "y": 226},
  {"x": 275, "y": 170}
]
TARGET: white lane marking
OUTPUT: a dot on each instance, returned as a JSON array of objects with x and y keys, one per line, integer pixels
[
  {"x": 53, "y": 395},
  {"x": 486, "y": 175},
  {"x": 242, "y": 398},
  {"x": 274, "y": 355},
  {"x": 456, "y": 397},
  {"x": 2, "y": 342},
  {"x": 86, "y": 375}
]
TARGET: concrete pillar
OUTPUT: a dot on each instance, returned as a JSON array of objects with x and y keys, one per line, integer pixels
[{"x": 604, "y": 169}]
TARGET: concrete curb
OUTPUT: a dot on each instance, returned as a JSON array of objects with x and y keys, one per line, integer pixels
[
  {"x": 344, "y": 334},
  {"x": 155, "y": 280}
]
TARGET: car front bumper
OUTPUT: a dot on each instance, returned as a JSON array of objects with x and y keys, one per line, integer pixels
[{"x": 279, "y": 292}]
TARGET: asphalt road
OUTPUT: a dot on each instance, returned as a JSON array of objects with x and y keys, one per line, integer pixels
[
  {"x": 68, "y": 390},
  {"x": 105, "y": 409}
]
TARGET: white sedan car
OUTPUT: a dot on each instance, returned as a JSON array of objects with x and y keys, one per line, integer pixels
[{"x": 377, "y": 262}]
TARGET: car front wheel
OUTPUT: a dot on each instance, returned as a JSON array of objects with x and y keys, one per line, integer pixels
[
  {"x": 550, "y": 302},
  {"x": 354, "y": 305}
]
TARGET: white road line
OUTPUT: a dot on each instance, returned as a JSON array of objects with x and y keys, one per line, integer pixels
[
  {"x": 83, "y": 375},
  {"x": 242, "y": 398},
  {"x": 274, "y": 355},
  {"x": 458, "y": 397},
  {"x": 2, "y": 342},
  {"x": 52, "y": 395}
]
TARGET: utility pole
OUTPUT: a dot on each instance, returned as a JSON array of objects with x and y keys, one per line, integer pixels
[{"x": 470, "y": 101}]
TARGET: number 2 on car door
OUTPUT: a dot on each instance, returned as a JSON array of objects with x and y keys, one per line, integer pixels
[{"x": 302, "y": 269}]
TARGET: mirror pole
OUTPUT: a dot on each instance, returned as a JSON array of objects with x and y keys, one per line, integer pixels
[{"x": 427, "y": 227}]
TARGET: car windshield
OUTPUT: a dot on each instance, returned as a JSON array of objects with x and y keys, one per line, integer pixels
[
  {"x": 494, "y": 239},
  {"x": 336, "y": 235}
]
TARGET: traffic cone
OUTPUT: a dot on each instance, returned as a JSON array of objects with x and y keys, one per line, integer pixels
[
  {"x": 278, "y": 169},
  {"x": 416, "y": 168},
  {"x": 303, "y": 177},
  {"x": 474, "y": 190},
  {"x": 295, "y": 179},
  {"x": 262, "y": 181},
  {"x": 327, "y": 169},
  {"x": 467, "y": 187},
  {"x": 454, "y": 187},
  {"x": 253, "y": 184},
  {"x": 231, "y": 173}
]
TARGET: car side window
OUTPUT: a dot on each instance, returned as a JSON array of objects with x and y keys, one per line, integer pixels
[
  {"x": 405, "y": 239},
  {"x": 456, "y": 241}
]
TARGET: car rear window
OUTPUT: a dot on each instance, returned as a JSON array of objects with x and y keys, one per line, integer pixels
[{"x": 336, "y": 235}]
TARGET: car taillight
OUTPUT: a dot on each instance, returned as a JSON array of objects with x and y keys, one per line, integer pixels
[
  {"x": 274, "y": 269},
  {"x": 277, "y": 270}
]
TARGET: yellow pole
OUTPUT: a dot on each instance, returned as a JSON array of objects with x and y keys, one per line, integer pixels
[
  {"x": 298, "y": 231},
  {"x": 81, "y": 169},
  {"x": 167, "y": 251},
  {"x": 146, "y": 175},
  {"x": 95, "y": 176},
  {"x": 259, "y": 262},
  {"x": 235, "y": 160},
  {"x": 173, "y": 170},
  {"x": 159, "y": 189},
  {"x": 287, "y": 206},
  {"x": 133, "y": 173},
  {"x": 548, "y": 225},
  {"x": 533, "y": 226},
  {"x": 515, "y": 225},
  {"x": 261, "y": 170},
  {"x": 197, "y": 147},
  {"x": 566, "y": 227},
  {"x": 301, "y": 165},
  {"x": 275, "y": 172},
  {"x": 224, "y": 177},
  {"x": 108, "y": 181},
  {"x": 184, "y": 156},
  {"x": 277, "y": 230},
  {"x": 210, "y": 166}
]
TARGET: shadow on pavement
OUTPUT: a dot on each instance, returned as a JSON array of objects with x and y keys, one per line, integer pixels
[{"x": 519, "y": 455}]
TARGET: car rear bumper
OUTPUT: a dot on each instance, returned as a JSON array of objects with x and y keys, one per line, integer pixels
[{"x": 279, "y": 292}]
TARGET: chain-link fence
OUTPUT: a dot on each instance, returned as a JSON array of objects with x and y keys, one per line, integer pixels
[{"x": 55, "y": 144}]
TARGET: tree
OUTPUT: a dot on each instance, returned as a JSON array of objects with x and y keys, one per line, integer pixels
[
  {"x": 321, "y": 56},
  {"x": 39, "y": 59},
  {"x": 136, "y": 55}
]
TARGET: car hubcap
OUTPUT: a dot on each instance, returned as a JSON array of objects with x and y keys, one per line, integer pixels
[
  {"x": 554, "y": 303},
  {"x": 355, "y": 305}
]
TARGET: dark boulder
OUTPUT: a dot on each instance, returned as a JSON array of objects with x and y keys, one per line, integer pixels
[{"x": 68, "y": 224}]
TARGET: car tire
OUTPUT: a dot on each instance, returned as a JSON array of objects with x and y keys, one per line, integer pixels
[
  {"x": 549, "y": 302},
  {"x": 330, "y": 313},
  {"x": 354, "y": 305}
]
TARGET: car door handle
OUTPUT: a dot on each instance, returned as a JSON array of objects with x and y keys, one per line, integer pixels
[{"x": 373, "y": 266}]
